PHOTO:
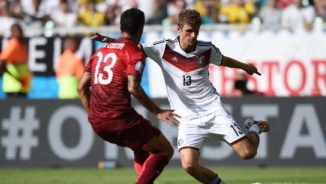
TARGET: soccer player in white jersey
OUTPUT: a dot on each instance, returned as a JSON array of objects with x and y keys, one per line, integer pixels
[{"x": 185, "y": 61}]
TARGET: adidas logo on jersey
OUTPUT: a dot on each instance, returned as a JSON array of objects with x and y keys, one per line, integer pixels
[{"x": 174, "y": 59}]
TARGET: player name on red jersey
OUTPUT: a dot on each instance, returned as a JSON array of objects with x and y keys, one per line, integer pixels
[{"x": 115, "y": 45}]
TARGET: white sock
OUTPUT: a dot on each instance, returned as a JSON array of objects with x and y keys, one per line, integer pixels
[
  {"x": 254, "y": 129},
  {"x": 217, "y": 180}
]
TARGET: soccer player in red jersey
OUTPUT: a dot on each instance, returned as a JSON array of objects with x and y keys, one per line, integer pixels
[{"x": 113, "y": 73}]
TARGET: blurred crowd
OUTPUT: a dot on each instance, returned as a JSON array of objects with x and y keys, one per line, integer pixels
[{"x": 292, "y": 14}]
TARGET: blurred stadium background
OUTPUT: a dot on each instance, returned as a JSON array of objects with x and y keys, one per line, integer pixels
[{"x": 44, "y": 131}]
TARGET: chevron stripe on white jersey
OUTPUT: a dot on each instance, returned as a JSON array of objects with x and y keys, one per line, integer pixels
[{"x": 187, "y": 75}]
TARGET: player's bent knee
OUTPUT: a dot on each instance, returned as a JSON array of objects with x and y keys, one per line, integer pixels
[
  {"x": 159, "y": 144},
  {"x": 248, "y": 154},
  {"x": 169, "y": 151},
  {"x": 167, "y": 148},
  {"x": 245, "y": 151},
  {"x": 190, "y": 167}
]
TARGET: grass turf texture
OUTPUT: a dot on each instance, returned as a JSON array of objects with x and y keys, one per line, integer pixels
[{"x": 232, "y": 175}]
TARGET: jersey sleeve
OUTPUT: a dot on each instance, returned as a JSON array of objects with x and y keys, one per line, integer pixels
[
  {"x": 136, "y": 64},
  {"x": 216, "y": 56},
  {"x": 88, "y": 67},
  {"x": 154, "y": 50}
]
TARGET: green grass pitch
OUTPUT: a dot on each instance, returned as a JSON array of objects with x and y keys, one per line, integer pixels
[{"x": 171, "y": 175}]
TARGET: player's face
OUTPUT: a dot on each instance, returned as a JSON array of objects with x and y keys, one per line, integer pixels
[{"x": 188, "y": 36}]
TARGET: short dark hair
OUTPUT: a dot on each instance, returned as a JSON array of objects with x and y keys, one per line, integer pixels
[
  {"x": 189, "y": 16},
  {"x": 18, "y": 26},
  {"x": 131, "y": 20}
]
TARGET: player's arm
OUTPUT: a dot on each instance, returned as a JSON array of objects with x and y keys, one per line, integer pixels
[
  {"x": 233, "y": 63},
  {"x": 83, "y": 89},
  {"x": 102, "y": 38},
  {"x": 137, "y": 91}
]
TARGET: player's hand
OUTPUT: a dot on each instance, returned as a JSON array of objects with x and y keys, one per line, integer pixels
[
  {"x": 168, "y": 116},
  {"x": 98, "y": 37},
  {"x": 251, "y": 69}
]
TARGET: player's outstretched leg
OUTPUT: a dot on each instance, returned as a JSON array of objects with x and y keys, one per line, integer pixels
[
  {"x": 247, "y": 148},
  {"x": 254, "y": 129}
]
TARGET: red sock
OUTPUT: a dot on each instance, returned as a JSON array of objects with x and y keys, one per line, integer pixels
[
  {"x": 152, "y": 168},
  {"x": 139, "y": 160}
]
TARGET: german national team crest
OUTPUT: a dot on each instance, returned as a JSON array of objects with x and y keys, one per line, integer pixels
[{"x": 200, "y": 61}]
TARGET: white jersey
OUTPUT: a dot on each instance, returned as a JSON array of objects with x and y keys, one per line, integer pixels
[{"x": 186, "y": 75}]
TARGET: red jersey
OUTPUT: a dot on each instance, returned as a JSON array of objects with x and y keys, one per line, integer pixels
[{"x": 109, "y": 68}]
